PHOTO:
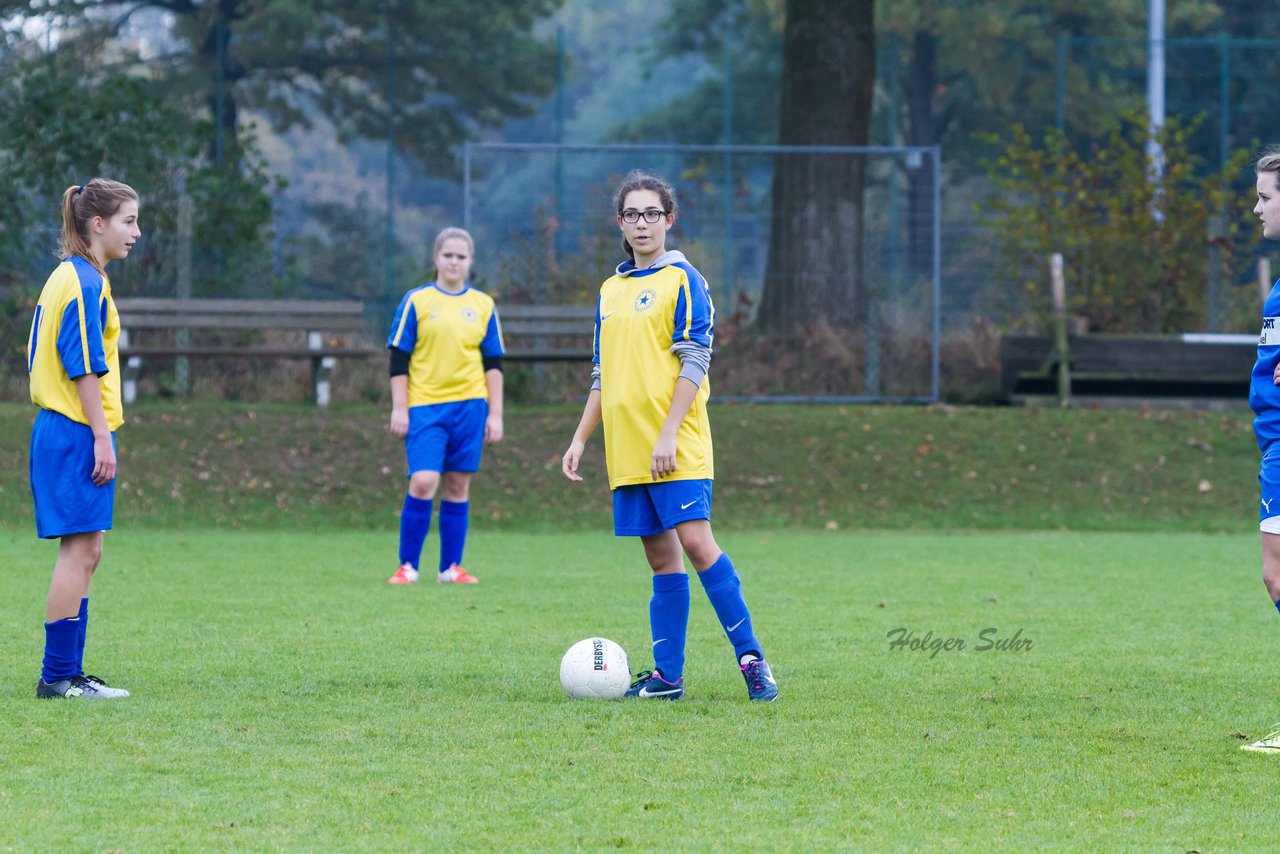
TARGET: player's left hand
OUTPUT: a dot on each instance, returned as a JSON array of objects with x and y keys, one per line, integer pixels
[
  {"x": 493, "y": 429},
  {"x": 104, "y": 461},
  {"x": 1275, "y": 375},
  {"x": 663, "y": 462}
]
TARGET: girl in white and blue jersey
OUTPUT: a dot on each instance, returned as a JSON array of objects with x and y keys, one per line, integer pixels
[
  {"x": 1264, "y": 385},
  {"x": 653, "y": 336},
  {"x": 74, "y": 369},
  {"x": 1264, "y": 399},
  {"x": 446, "y": 402}
]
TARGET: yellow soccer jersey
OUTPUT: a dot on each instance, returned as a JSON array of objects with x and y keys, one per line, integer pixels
[
  {"x": 640, "y": 314},
  {"x": 446, "y": 336},
  {"x": 75, "y": 332}
]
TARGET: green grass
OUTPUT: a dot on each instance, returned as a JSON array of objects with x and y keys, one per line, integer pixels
[
  {"x": 287, "y": 698},
  {"x": 268, "y": 467}
]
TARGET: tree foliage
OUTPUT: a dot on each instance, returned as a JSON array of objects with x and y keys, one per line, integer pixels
[
  {"x": 428, "y": 72},
  {"x": 69, "y": 116},
  {"x": 1136, "y": 253},
  {"x": 741, "y": 41}
]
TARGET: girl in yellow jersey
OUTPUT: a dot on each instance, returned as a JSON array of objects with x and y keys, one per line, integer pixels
[
  {"x": 654, "y": 327},
  {"x": 74, "y": 369},
  {"x": 446, "y": 402}
]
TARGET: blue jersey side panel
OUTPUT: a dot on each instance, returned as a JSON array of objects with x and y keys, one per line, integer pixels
[
  {"x": 1264, "y": 394},
  {"x": 492, "y": 343},
  {"x": 404, "y": 326},
  {"x": 694, "y": 316}
]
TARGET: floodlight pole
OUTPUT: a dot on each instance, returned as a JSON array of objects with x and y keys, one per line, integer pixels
[{"x": 1155, "y": 97}]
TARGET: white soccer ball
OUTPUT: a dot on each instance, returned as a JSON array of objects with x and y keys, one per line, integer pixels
[{"x": 595, "y": 667}]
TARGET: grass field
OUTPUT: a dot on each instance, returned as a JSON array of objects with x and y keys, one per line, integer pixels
[
  {"x": 271, "y": 467},
  {"x": 287, "y": 698}
]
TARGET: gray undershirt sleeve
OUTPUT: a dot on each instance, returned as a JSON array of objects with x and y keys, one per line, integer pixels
[{"x": 695, "y": 360}]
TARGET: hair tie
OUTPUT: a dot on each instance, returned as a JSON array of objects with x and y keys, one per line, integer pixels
[{"x": 79, "y": 189}]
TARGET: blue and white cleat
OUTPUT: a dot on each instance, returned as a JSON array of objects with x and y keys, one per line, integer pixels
[
  {"x": 650, "y": 685},
  {"x": 85, "y": 687},
  {"x": 760, "y": 682}
]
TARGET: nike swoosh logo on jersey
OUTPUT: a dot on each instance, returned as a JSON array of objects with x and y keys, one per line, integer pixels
[
  {"x": 690, "y": 504},
  {"x": 605, "y": 317},
  {"x": 645, "y": 692},
  {"x": 735, "y": 625}
]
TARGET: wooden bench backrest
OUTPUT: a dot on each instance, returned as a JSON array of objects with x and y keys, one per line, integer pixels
[
  {"x": 530, "y": 331},
  {"x": 551, "y": 321},
  {"x": 1187, "y": 359},
  {"x": 163, "y": 313}
]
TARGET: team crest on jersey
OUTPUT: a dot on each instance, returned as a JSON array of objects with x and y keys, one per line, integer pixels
[
  {"x": 645, "y": 299},
  {"x": 469, "y": 315}
]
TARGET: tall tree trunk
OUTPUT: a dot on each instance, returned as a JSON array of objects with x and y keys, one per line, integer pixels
[
  {"x": 815, "y": 246},
  {"x": 922, "y": 87},
  {"x": 215, "y": 55}
]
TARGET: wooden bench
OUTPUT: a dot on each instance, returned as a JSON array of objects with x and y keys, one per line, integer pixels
[
  {"x": 548, "y": 333},
  {"x": 319, "y": 320},
  {"x": 532, "y": 333},
  {"x": 1152, "y": 366}
]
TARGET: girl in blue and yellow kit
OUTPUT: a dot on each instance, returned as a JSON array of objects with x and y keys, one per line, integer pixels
[
  {"x": 74, "y": 369},
  {"x": 654, "y": 329},
  {"x": 446, "y": 402}
]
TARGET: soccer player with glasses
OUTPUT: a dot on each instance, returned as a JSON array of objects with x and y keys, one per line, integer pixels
[{"x": 654, "y": 328}]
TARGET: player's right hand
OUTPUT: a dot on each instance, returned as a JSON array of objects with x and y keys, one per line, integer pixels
[
  {"x": 399, "y": 425},
  {"x": 569, "y": 465}
]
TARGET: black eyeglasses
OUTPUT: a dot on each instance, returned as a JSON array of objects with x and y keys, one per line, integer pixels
[{"x": 650, "y": 216}]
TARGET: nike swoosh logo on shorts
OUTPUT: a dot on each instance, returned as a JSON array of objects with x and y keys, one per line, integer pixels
[{"x": 690, "y": 504}]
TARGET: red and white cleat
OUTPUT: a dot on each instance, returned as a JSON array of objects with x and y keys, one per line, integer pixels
[
  {"x": 404, "y": 575},
  {"x": 456, "y": 575}
]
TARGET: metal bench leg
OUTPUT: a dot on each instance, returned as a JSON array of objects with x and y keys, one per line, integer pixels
[
  {"x": 132, "y": 367},
  {"x": 129, "y": 388},
  {"x": 321, "y": 369}
]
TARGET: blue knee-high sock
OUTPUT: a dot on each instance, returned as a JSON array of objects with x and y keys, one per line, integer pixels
[
  {"x": 724, "y": 589},
  {"x": 415, "y": 521},
  {"x": 84, "y": 631},
  {"x": 454, "y": 520},
  {"x": 1277, "y": 604},
  {"x": 61, "y": 641},
  {"x": 669, "y": 623}
]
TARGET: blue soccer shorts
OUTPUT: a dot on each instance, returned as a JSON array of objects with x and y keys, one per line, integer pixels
[
  {"x": 61, "y": 471},
  {"x": 446, "y": 436},
  {"x": 1269, "y": 489},
  {"x": 643, "y": 509}
]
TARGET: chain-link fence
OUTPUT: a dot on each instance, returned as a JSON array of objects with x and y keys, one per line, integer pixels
[{"x": 543, "y": 219}]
